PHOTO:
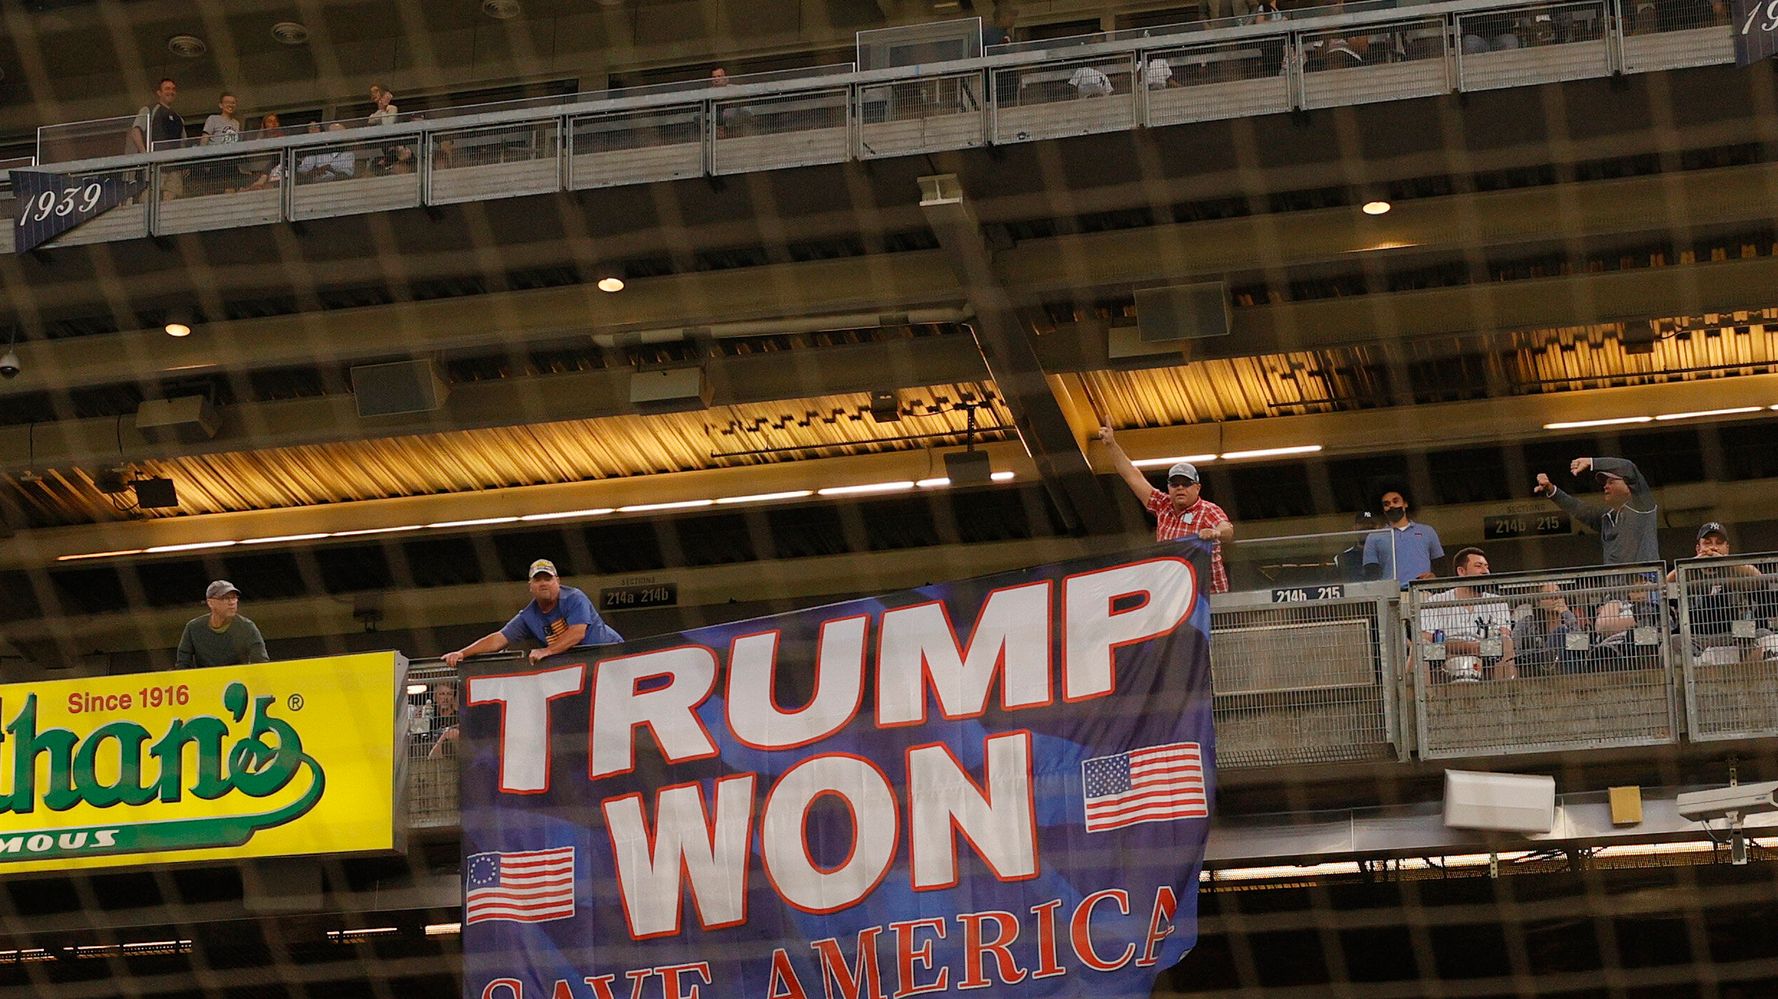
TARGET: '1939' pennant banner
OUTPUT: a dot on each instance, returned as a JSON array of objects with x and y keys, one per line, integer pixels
[
  {"x": 1001, "y": 784},
  {"x": 47, "y": 205},
  {"x": 1755, "y": 23}
]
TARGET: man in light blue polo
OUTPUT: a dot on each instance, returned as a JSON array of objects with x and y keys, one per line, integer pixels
[
  {"x": 558, "y": 618},
  {"x": 1406, "y": 548}
]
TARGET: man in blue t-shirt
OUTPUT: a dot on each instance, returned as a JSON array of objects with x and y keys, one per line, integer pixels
[
  {"x": 1406, "y": 549},
  {"x": 558, "y": 618}
]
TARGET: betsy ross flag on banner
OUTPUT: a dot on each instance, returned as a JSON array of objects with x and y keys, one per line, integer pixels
[
  {"x": 529, "y": 887},
  {"x": 1153, "y": 784}
]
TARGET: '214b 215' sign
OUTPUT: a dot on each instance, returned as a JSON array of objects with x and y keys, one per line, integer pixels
[{"x": 48, "y": 205}]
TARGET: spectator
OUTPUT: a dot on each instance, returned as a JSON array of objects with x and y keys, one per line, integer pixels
[
  {"x": 223, "y": 127},
  {"x": 1719, "y": 597},
  {"x": 440, "y": 735},
  {"x": 999, "y": 31},
  {"x": 1616, "y": 644},
  {"x": 1540, "y": 638},
  {"x": 1181, "y": 510},
  {"x": 223, "y": 637},
  {"x": 157, "y": 122},
  {"x": 558, "y": 618},
  {"x": 1477, "y": 627},
  {"x": 730, "y": 119},
  {"x": 1626, "y": 523},
  {"x": 1489, "y": 33},
  {"x": 1157, "y": 74},
  {"x": 1090, "y": 81},
  {"x": 338, "y": 164},
  {"x": 386, "y": 110},
  {"x": 1407, "y": 549},
  {"x": 1350, "y": 563},
  {"x": 270, "y": 172}
]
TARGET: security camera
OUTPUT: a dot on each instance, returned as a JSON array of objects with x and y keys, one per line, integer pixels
[
  {"x": 9, "y": 365},
  {"x": 1733, "y": 803}
]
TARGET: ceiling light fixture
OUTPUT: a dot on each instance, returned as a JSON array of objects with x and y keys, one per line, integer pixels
[
  {"x": 765, "y": 497},
  {"x": 87, "y": 555},
  {"x": 1616, "y": 421},
  {"x": 1004, "y": 476},
  {"x": 1377, "y": 207},
  {"x": 674, "y": 505},
  {"x": 178, "y": 329},
  {"x": 474, "y": 522},
  {"x": 1196, "y": 459},
  {"x": 376, "y": 530},
  {"x": 285, "y": 537},
  {"x": 869, "y": 487},
  {"x": 611, "y": 284},
  {"x": 566, "y": 514},
  {"x": 187, "y": 46},
  {"x": 190, "y": 547},
  {"x": 939, "y": 482},
  {"x": 290, "y": 33},
  {"x": 1271, "y": 452},
  {"x": 1700, "y": 414}
]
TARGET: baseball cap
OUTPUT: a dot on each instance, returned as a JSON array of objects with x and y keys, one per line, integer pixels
[
  {"x": 1712, "y": 527},
  {"x": 219, "y": 588},
  {"x": 1184, "y": 468},
  {"x": 542, "y": 567}
]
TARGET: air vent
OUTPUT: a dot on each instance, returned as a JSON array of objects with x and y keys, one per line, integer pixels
[
  {"x": 290, "y": 33},
  {"x": 501, "y": 10},
  {"x": 187, "y": 46}
]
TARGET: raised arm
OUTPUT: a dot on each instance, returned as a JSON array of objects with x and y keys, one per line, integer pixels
[
  {"x": 1126, "y": 469},
  {"x": 1586, "y": 514},
  {"x": 492, "y": 642}
]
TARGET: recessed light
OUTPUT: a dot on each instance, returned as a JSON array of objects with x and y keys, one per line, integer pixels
[
  {"x": 290, "y": 33},
  {"x": 187, "y": 46},
  {"x": 1377, "y": 207},
  {"x": 611, "y": 284},
  {"x": 178, "y": 329}
]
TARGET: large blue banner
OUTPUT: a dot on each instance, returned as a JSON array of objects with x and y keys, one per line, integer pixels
[{"x": 1001, "y": 784}]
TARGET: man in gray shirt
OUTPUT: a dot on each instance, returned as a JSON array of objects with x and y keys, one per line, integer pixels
[
  {"x": 223, "y": 637},
  {"x": 1627, "y": 522}
]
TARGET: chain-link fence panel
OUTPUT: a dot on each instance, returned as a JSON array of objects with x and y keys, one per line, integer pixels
[
  {"x": 371, "y": 174},
  {"x": 1541, "y": 662},
  {"x": 494, "y": 161},
  {"x": 432, "y": 698},
  {"x": 1067, "y": 97},
  {"x": 1374, "y": 62},
  {"x": 1524, "y": 46},
  {"x": 1308, "y": 682},
  {"x": 1728, "y": 645},
  {"x": 775, "y": 132},
  {"x": 1674, "y": 34},
  {"x": 1208, "y": 82},
  {"x": 636, "y": 147},
  {"x": 922, "y": 116},
  {"x": 220, "y": 193}
]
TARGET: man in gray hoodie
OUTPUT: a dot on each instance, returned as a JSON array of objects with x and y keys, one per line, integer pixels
[{"x": 1627, "y": 521}]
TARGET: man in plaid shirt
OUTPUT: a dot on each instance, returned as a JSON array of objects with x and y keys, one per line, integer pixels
[{"x": 1179, "y": 512}]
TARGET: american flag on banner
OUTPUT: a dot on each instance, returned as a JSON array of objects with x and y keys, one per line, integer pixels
[
  {"x": 1153, "y": 784},
  {"x": 529, "y": 887}
]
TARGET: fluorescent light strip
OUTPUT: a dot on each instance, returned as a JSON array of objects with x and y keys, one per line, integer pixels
[
  {"x": 375, "y": 530},
  {"x": 765, "y": 497},
  {"x": 566, "y": 514},
  {"x": 1003, "y": 476},
  {"x": 85, "y": 555},
  {"x": 675, "y": 505},
  {"x": 937, "y": 483},
  {"x": 286, "y": 537},
  {"x": 443, "y": 929},
  {"x": 1195, "y": 459},
  {"x": 1271, "y": 452},
  {"x": 192, "y": 547},
  {"x": 1735, "y": 411},
  {"x": 477, "y": 522},
  {"x": 1616, "y": 421},
  {"x": 869, "y": 487}
]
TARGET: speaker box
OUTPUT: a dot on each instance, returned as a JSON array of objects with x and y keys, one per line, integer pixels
[
  {"x": 1183, "y": 312},
  {"x": 669, "y": 389},
  {"x": 398, "y": 388},
  {"x": 186, "y": 419},
  {"x": 156, "y": 494},
  {"x": 968, "y": 468}
]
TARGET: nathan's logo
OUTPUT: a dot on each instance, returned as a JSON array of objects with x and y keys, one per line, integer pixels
[{"x": 122, "y": 764}]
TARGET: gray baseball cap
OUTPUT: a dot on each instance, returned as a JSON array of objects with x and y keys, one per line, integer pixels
[
  {"x": 219, "y": 588},
  {"x": 1184, "y": 468}
]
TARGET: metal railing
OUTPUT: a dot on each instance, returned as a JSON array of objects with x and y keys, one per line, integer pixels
[
  {"x": 1541, "y": 661},
  {"x": 1326, "y": 57},
  {"x": 432, "y": 699},
  {"x": 1728, "y": 645}
]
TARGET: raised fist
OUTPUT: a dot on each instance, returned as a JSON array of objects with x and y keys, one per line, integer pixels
[
  {"x": 1544, "y": 486},
  {"x": 1579, "y": 465}
]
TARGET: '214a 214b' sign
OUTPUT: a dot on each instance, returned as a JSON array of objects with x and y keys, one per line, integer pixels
[
  {"x": 1755, "y": 25},
  {"x": 48, "y": 205}
]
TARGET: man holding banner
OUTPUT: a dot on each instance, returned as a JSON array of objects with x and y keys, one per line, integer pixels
[{"x": 1002, "y": 783}]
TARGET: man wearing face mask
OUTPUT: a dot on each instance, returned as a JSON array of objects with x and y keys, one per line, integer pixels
[
  {"x": 1627, "y": 522},
  {"x": 1406, "y": 550},
  {"x": 1179, "y": 512}
]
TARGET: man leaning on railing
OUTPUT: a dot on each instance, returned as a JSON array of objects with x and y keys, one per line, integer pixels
[{"x": 558, "y": 618}]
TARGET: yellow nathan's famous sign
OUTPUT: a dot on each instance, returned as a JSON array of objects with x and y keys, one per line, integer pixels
[{"x": 205, "y": 764}]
